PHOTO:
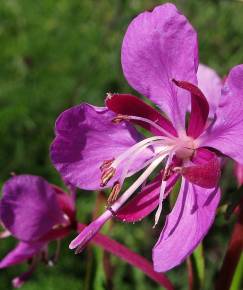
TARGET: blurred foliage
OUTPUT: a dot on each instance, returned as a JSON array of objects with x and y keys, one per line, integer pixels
[{"x": 55, "y": 54}]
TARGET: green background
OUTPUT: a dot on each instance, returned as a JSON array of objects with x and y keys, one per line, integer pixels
[{"x": 55, "y": 54}]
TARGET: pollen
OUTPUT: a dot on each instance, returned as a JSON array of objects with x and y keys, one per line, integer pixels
[
  {"x": 106, "y": 164},
  {"x": 119, "y": 118},
  {"x": 107, "y": 175},
  {"x": 114, "y": 193}
]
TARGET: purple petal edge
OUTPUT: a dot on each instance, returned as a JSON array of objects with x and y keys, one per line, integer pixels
[
  {"x": 160, "y": 46},
  {"x": 225, "y": 134},
  {"x": 186, "y": 226},
  {"x": 211, "y": 84},
  {"x": 85, "y": 138}
]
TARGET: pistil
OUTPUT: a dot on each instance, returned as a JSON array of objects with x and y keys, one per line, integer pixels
[{"x": 84, "y": 237}]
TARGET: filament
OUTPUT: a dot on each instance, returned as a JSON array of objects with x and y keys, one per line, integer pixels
[{"x": 165, "y": 132}]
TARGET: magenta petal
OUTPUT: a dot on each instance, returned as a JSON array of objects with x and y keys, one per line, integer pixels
[
  {"x": 185, "y": 227},
  {"x": 133, "y": 106},
  {"x": 210, "y": 84},
  {"x": 85, "y": 137},
  {"x": 29, "y": 208},
  {"x": 145, "y": 201},
  {"x": 160, "y": 46},
  {"x": 199, "y": 109},
  {"x": 124, "y": 253},
  {"x": 21, "y": 253},
  {"x": 225, "y": 134},
  {"x": 205, "y": 170}
]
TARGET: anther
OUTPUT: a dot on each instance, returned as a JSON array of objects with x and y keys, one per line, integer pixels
[
  {"x": 114, "y": 193},
  {"x": 119, "y": 118},
  {"x": 107, "y": 175},
  {"x": 106, "y": 164}
]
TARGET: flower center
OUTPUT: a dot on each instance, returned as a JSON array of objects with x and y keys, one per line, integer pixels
[
  {"x": 159, "y": 149},
  {"x": 185, "y": 147}
]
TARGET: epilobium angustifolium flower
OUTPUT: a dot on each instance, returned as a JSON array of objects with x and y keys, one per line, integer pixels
[
  {"x": 35, "y": 212},
  {"x": 99, "y": 148}
]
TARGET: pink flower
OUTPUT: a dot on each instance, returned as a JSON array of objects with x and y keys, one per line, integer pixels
[
  {"x": 100, "y": 147},
  {"x": 35, "y": 212}
]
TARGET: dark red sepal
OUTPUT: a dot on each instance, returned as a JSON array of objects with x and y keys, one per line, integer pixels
[
  {"x": 205, "y": 169},
  {"x": 199, "y": 109},
  {"x": 130, "y": 105}
]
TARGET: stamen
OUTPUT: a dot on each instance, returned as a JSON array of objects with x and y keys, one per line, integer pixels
[
  {"x": 114, "y": 193},
  {"x": 164, "y": 151},
  {"x": 106, "y": 164},
  {"x": 144, "y": 143},
  {"x": 129, "y": 192},
  {"x": 108, "y": 167},
  {"x": 160, "y": 207},
  {"x": 119, "y": 118},
  {"x": 117, "y": 186},
  {"x": 130, "y": 162},
  {"x": 107, "y": 175},
  {"x": 87, "y": 234},
  {"x": 162, "y": 190},
  {"x": 166, "y": 174},
  {"x": 166, "y": 133}
]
